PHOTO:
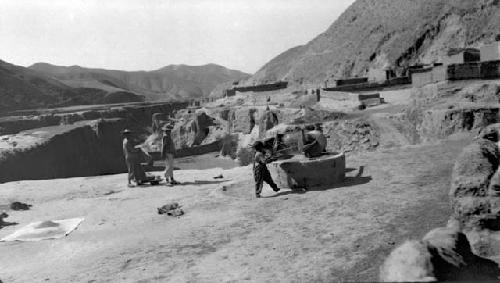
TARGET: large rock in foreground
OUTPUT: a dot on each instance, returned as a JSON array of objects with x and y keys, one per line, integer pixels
[{"x": 444, "y": 254}]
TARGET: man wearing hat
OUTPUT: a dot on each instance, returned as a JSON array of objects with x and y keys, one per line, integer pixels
[
  {"x": 132, "y": 158},
  {"x": 167, "y": 154}
]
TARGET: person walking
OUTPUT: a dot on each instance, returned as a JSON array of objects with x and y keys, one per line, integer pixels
[
  {"x": 260, "y": 171},
  {"x": 167, "y": 154}
]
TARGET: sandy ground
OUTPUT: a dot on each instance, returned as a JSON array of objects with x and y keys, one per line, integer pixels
[{"x": 339, "y": 234}]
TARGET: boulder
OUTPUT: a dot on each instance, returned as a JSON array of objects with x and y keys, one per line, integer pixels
[
  {"x": 444, "y": 254},
  {"x": 410, "y": 262},
  {"x": 490, "y": 133},
  {"x": 474, "y": 168}
]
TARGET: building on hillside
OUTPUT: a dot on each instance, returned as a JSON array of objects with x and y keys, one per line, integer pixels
[
  {"x": 229, "y": 92},
  {"x": 351, "y": 81},
  {"x": 429, "y": 75},
  {"x": 462, "y": 56},
  {"x": 377, "y": 75},
  {"x": 490, "y": 52}
]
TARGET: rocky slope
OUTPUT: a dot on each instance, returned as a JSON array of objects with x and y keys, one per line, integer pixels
[
  {"x": 380, "y": 33},
  {"x": 170, "y": 82}
]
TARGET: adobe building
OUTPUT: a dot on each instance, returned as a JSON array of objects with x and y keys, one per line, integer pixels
[
  {"x": 377, "y": 75},
  {"x": 461, "y": 56},
  {"x": 429, "y": 75},
  {"x": 490, "y": 52}
]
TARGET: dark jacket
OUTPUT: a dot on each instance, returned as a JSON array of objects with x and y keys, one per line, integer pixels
[{"x": 167, "y": 146}]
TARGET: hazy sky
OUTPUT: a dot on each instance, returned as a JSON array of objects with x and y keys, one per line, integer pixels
[{"x": 149, "y": 34}]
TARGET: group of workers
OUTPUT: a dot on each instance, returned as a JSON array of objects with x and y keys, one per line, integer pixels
[
  {"x": 133, "y": 152},
  {"x": 313, "y": 144}
]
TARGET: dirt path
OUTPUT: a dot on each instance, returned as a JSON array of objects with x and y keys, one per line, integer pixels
[
  {"x": 389, "y": 135},
  {"x": 339, "y": 234}
]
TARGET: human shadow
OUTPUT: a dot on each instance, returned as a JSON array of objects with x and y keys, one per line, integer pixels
[{"x": 348, "y": 182}]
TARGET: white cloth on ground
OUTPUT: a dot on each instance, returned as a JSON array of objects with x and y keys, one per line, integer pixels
[{"x": 42, "y": 230}]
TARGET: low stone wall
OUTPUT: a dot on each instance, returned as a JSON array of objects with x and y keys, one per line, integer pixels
[
  {"x": 371, "y": 85},
  {"x": 300, "y": 172},
  {"x": 262, "y": 87}
]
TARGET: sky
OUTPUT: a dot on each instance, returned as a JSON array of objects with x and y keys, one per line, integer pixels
[{"x": 149, "y": 34}]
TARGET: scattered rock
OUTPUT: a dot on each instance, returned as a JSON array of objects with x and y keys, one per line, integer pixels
[
  {"x": 19, "y": 206},
  {"x": 171, "y": 209}
]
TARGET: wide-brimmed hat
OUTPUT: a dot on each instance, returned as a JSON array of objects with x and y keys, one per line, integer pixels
[{"x": 126, "y": 131}]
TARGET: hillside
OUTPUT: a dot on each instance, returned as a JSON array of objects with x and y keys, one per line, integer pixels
[
  {"x": 380, "y": 33},
  {"x": 170, "y": 82},
  {"x": 22, "y": 88}
]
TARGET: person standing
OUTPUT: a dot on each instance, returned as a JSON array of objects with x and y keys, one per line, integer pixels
[
  {"x": 132, "y": 159},
  {"x": 167, "y": 154},
  {"x": 260, "y": 171}
]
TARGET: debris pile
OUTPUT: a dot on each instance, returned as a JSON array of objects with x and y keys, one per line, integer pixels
[
  {"x": 19, "y": 206},
  {"x": 171, "y": 209},
  {"x": 350, "y": 136}
]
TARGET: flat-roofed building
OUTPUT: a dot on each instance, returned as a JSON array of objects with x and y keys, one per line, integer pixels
[
  {"x": 490, "y": 52},
  {"x": 461, "y": 56}
]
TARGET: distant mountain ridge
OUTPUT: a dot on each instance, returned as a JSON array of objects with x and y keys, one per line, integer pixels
[
  {"x": 22, "y": 88},
  {"x": 43, "y": 85},
  {"x": 382, "y": 33},
  {"x": 173, "y": 82}
]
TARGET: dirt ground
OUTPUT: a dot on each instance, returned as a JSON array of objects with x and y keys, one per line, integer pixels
[{"x": 339, "y": 234}]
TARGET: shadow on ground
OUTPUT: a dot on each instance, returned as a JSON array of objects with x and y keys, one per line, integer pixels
[{"x": 348, "y": 182}]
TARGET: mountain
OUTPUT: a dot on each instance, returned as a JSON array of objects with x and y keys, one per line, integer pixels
[
  {"x": 171, "y": 82},
  {"x": 382, "y": 33},
  {"x": 23, "y": 88}
]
